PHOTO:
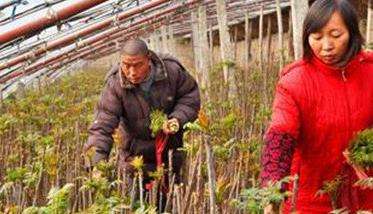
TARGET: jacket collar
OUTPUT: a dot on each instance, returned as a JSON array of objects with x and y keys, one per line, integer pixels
[
  {"x": 156, "y": 65},
  {"x": 332, "y": 70}
]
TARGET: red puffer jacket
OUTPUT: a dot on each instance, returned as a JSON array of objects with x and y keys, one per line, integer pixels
[{"x": 316, "y": 112}]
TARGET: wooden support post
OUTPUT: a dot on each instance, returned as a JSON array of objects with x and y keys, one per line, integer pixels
[
  {"x": 211, "y": 174},
  {"x": 157, "y": 42},
  {"x": 164, "y": 39},
  {"x": 211, "y": 45},
  {"x": 290, "y": 38},
  {"x": 261, "y": 64},
  {"x": 204, "y": 45},
  {"x": 248, "y": 38},
  {"x": 369, "y": 36},
  {"x": 1, "y": 96},
  {"x": 226, "y": 49},
  {"x": 172, "y": 41},
  {"x": 235, "y": 45},
  {"x": 261, "y": 59},
  {"x": 280, "y": 33},
  {"x": 149, "y": 41},
  {"x": 269, "y": 41},
  {"x": 152, "y": 42},
  {"x": 299, "y": 10},
  {"x": 196, "y": 44}
]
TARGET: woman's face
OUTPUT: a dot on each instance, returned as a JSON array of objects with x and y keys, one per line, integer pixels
[{"x": 330, "y": 43}]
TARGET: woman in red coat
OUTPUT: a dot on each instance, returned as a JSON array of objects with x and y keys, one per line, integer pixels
[{"x": 321, "y": 102}]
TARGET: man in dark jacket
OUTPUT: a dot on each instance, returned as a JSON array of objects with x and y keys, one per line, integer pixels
[{"x": 141, "y": 83}]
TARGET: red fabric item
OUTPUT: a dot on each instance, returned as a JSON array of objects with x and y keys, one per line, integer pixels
[
  {"x": 160, "y": 145},
  {"x": 323, "y": 108},
  {"x": 149, "y": 185}
]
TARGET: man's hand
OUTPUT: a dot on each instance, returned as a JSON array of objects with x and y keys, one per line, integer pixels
[
  {"x": 171, "y": 126},
  {"x": 86, "y": 148},
  {"x": 91, "y": 156}
]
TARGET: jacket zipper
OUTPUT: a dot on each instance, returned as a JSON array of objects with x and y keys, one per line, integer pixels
[
  {"x": 141, "y": 106},
  {"x": 347, "y": 101},
  {"x": 344, "y": 75}
]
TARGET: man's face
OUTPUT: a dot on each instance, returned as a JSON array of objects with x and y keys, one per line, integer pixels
[{"x": 135, "y": 67}]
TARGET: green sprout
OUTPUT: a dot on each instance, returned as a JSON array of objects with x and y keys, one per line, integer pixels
[
  {"x": 361, "y": 149},
  {"x": 157, "y": 119}
]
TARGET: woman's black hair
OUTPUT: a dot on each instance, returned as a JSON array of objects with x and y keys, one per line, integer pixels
[{"x": 319, "y": 15}]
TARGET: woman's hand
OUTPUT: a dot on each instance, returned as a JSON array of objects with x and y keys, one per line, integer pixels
[{"x": 269, "y": 209}]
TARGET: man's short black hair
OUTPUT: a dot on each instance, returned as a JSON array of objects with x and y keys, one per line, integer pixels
[{"x": 135, "y": 47}]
